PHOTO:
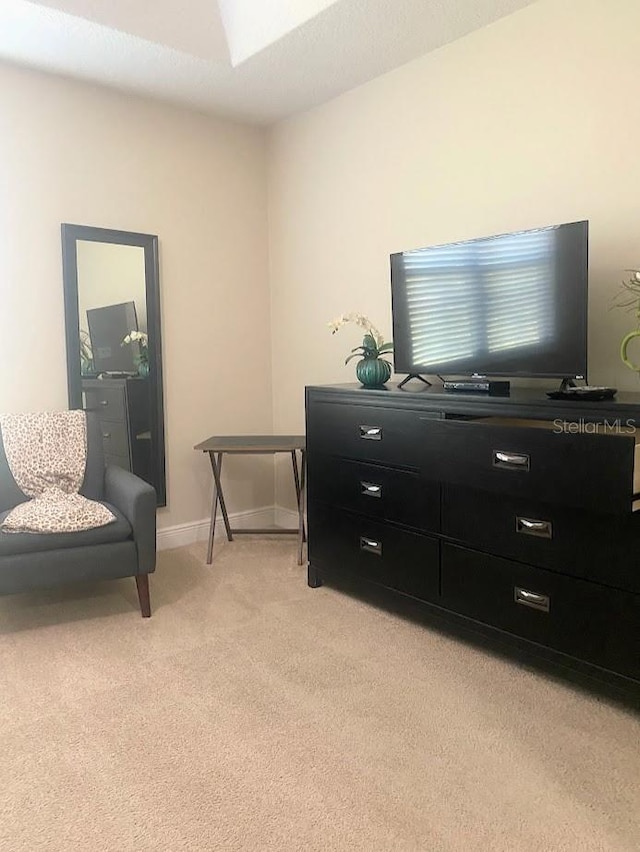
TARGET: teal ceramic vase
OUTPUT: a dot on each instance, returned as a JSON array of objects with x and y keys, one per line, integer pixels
[
  {"x": 373, "y": 372},
  {"x": 143, "y": 368}
]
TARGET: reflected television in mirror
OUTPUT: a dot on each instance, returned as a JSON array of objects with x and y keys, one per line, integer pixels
[{"x": 108, "y": 327}]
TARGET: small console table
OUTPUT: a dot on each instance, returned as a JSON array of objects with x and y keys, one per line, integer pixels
[{"x": 217, "y": 446}]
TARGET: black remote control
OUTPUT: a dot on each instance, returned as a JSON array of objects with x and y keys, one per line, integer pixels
[{"x": 591, "y": 392}]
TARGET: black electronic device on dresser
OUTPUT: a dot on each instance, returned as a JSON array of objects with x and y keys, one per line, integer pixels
[{"x": 513, "y": 512}]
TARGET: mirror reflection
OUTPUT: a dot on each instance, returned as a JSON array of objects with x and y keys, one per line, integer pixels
[
  {"x": 112, "y": 309},
  {"x": 113, "y": 356}
]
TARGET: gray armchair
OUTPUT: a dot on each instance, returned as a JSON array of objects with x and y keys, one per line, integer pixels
[{"x": 124, "y": 548}]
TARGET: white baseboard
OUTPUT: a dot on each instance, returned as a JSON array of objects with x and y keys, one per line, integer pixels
[
  {"x": 285, "y": 517},
  {"x": 181, "y": 535}
]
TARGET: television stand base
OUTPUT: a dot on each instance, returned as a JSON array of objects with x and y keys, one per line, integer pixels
[
  {"x": 566, "y": 383},
  {"x": 414, "y": 376}
]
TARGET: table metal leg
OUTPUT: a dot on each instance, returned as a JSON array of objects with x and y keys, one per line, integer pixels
[
  {"x": 296, "y": 479},
  {"x": 217, "y": 470},
  {"x": 300, "y": 490},
  {"x": 214, "y": 510},
  {"x": 218, "y": 496}
]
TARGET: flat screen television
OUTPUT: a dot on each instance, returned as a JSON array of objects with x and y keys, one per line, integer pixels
[
  {"x": 509, "y": 305},
  {"x": 108, "y": 326}
]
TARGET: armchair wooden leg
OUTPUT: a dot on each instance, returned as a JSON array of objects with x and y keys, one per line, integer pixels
[{"x": 142, "y": 582}]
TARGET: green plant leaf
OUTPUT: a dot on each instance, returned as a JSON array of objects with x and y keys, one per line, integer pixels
[
  {"x": 386, "y": 347},
  {"x": 351, "y": 357}
]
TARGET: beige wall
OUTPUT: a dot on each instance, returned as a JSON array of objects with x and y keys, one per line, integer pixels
[
  {"x": 70, "y": 152},
  {"x": 530, "y": 121}
]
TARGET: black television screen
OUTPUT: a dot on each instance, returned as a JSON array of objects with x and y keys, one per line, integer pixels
[
  {"x": 108, "y": 326},
  {"x": 509, "y": 305}
]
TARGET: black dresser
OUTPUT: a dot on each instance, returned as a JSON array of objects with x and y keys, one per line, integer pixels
[
  {"x": 123, "y": 407},
  {"x": 515, "y": 512}
]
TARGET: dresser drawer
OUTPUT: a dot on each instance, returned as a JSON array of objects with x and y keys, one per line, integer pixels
[
  {"x": 583, "y": 619},
  {"x": 536, "y": 461},
  {"x": 344, "y": 543},
  {"x": 109, "y": 402},
  {"x": 583, "y": 544},
  {"x": 365, "y": 432},
  {"x": 115, "y": 439},
  {"x": 379, "y": 492}
]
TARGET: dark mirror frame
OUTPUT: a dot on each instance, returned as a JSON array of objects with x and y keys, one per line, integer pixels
[{"x": 149, "y": 242}]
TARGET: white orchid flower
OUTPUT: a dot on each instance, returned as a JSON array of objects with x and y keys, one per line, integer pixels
[
  {"x": 136, "y": 337},
  {"x": 370, "y": 329}
]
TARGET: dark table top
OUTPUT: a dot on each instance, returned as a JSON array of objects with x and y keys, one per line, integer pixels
[{"x": 252, "y": 444}]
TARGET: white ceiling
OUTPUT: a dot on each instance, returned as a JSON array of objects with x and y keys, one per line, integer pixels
[{"x": 255, "y": 60}]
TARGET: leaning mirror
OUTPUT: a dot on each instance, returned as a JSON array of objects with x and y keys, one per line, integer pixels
[{"x": 114, "y": 365}]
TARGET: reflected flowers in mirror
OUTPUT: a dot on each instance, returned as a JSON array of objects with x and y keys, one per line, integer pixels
[{"x": 140, "y": 338}]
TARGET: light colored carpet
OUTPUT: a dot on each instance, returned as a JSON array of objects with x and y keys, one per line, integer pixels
[{"x": 253, "y": 713}]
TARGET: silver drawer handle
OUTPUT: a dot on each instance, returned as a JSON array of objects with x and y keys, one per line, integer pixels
[
  {"x": 527, "y": 526},
  {"x": 531, "y": 599},
  {"x": 104, "y": 402},
  {"x": 510, "y": 461},
  {"x": 370, "y": 545},
  {"x": 371, "y": 433},
  {"x": 106, "y": 435},
  {"x": 370, "y": 489}
]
